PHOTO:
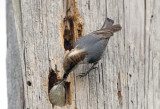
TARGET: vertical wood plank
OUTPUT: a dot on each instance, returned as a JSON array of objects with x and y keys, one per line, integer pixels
[{"x": 128, "y": 76}]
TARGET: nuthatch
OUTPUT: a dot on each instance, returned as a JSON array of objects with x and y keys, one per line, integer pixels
[
  {"x": 57, "y": 95},
  {"x": 89, "y": 48}
]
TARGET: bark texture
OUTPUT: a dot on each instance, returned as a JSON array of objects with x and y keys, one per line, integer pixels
[{"x": 39, "y": 33}]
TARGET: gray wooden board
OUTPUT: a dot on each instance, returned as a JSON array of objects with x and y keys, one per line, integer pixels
[{"x": 128, "y": 76}]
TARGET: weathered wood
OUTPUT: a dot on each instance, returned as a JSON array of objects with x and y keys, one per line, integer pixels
[
  {"x": 14, "y": 71},
  {"x": 128, "y": 76}
]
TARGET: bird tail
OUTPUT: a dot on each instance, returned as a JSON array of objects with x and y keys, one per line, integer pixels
[
  {"x": 108, "y": 31},
  {"x": 114, "y": 28}
]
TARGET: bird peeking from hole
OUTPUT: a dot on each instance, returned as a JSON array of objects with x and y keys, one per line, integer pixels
[{"x": 90, "y": 48}]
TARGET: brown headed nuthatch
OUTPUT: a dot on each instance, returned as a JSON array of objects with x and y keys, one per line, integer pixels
[{"x": 89, "y": 48}]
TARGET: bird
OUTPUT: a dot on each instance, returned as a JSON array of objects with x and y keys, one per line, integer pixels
[{"x": 90, "y": 48}]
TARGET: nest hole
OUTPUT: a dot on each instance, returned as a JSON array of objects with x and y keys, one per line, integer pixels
[
  {"x": 52, "y": 79},
  {"x": 68, "y": 34}
]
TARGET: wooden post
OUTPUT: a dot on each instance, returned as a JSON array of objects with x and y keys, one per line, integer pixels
[{"x": 40, "y": 32}]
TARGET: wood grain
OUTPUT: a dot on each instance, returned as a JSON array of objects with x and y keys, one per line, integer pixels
[{"x": 128, "y": 76}]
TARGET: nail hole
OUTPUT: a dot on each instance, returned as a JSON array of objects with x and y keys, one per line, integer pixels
[
  {"x": 29, "y": 83},
  {"x": 152, "y": 16}
]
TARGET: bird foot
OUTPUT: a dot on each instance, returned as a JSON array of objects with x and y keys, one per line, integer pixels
[
  {"x": 87, "y": 72},
  {"x": 95, "y": 67}
]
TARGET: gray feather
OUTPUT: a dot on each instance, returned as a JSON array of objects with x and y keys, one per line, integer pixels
[{"x": 93, "y": 45}]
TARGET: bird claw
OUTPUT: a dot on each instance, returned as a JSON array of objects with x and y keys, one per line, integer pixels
[
  {"x": 87, "y": 72},
  {"x": 84, "y": 74},
  {"x": 95, "y": 67}
]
